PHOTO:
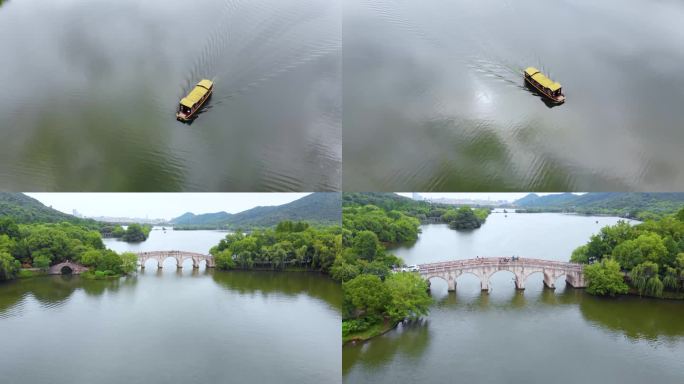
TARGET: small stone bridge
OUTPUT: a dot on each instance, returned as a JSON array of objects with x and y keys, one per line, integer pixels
[
  {"x": 521, "y": 267},
  {"x": 180, "y": 256},
  {"x": 67, "y": 267}
]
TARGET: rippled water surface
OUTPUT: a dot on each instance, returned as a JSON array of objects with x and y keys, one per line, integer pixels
[
  {"x": 533, "y": 336},
  {"x": 434, "y": 97},
  {"x": 89, "y": 91},
  {"x": 172, "y": 326}
]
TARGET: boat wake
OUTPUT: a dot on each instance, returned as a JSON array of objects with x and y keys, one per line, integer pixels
[
  {"x": 508, "y": 73},
  {"x": 256, "y": 41}
]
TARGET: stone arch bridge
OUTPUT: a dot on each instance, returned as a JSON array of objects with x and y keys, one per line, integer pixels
[
  {"x": 67, "y": 267},
  {"x": 180, "y": 256},
  {"x": 521, "y": 267}
]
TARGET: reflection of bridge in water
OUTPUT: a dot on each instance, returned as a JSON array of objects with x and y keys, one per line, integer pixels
[
  {"x": 180, "y": 256},
  {"x": 522, "y": 268}
]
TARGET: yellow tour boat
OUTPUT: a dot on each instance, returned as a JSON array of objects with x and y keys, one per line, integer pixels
[
  {"x": 190, "y": 104},
  {"x": 547, "y": 87}
]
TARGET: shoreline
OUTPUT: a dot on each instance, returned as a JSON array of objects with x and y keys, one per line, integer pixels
[{"x": 372, "y": 332}]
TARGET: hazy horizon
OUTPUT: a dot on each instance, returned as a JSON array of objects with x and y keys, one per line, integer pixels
[
  {"x": 495, "y": 196},
  {"x": 160, "y": 205}
]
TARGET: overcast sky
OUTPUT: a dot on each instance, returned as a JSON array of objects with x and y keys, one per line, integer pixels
[
  {"x": 159, "y": 205},
  {"x": 478, "y": 196}
]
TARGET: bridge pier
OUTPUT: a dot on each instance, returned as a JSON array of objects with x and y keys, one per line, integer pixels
[
  {"x": 451, "y": 284},
  {"x": 576, "y": 280},
  {"x": 484, "y": 284},
  {"x": 519, "y": 283},
  {"x": 549, "y": 281}
]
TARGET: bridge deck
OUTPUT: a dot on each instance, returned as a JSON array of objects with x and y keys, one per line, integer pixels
[
  {"x": 497, "y": 262},
  {"x": 170, "y": 254}
]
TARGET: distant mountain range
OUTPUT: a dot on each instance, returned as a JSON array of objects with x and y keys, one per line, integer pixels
[
  {"x": 317, "y": 208},
  {"x": 597, "y": 202},
  {"x": 322, "y": 208},
  {"x": 25, "y": 209}
]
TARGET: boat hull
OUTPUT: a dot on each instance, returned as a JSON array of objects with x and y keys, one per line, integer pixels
[{"x": 556, "y": 100}]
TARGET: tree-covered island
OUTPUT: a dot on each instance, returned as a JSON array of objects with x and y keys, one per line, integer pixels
[{"x": 645, "y": 259}]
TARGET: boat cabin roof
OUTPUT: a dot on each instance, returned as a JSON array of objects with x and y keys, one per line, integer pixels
[
  {"x": 542, "y": 79},
  {"x": 205, "y": 83},
  {"x": 197, "y": 93}
]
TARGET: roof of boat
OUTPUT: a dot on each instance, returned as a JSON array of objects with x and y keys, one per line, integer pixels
[
  {"x": 197, "y": 93},
  {"x": 205, "y": 83},
  {"x": 542, "y": 79}
]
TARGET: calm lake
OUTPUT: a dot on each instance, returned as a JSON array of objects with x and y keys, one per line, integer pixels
[
  {"x": 91, "y": 87},
  {"x": 434, "y": 96},
  {"x": 533, "y": 336},
  {"x": 172, "y": 326}
]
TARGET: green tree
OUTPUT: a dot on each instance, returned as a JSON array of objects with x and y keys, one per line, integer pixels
[
  {"x": 646, "y": 280},
  {"x": 365, "y": 295},
  {"x": 41, "y": 261},
  {"x": 9, "y": 266},
  {"x": 9, "y": 227},
  {"x": 464, "y": 218},
  {"x": 224, "y": 260},
  {"x": 580, "y": 255},
  {"x": 605, "y": 278},
  {"x": 376, "y": 268},
  {"x": 680, "y": 215},
  {"x": 366, "y": 245},
  {"x": 647, "y": 247},
  {"x": 408, "y": 296},
  {"x": 135, "y": 233},
  {"x": 344, "y": 271},
  {"x": 91, "y": 258},
  {"x": 671, "y": 279},
  {"x": 129, "y": 262}
]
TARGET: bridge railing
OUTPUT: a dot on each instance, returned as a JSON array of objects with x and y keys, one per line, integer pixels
[
  {"x": 170, "y": 254},
  {"x": 496, "y": 261}
]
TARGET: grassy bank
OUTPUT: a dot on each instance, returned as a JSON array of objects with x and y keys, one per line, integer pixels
[
  {"x": 27, "y": 273},
  {"x": 370, "y": 332}
]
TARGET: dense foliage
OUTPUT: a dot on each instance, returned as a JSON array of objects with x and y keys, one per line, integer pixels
[
  {"x": 289, "y": 245},
  {"x": 373, "y": 294},
  {"x": 134, "y": 233},
  {"x": 426, "y": 212},
  {"x": 641, "y": 206},
  {"x": 650, "y": 254},
  {"x": 43, "y": 245},
  {"x": 605, "y": 278},
  {"x": 465, "y": 218}
]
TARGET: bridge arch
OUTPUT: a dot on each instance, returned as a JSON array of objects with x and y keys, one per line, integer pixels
[
  {"x": 517, "y": 278},
  {"x": 67, "y": 268}
]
